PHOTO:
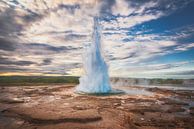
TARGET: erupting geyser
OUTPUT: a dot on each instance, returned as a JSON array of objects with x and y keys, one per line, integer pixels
[{"x": 96, "y": 79}]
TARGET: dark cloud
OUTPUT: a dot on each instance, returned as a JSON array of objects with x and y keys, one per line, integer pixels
[
  {"x": 12, "y": 69},
  {"x": 68, "y": 35},
  {"x": 75, "y": 65},
  {"x": 7, "y": 61},
  {"x": 45, "y": 47},
  {"x": 7, "y": 45},
  {"x": 11, "y": 26},
  {"x": 8, "y": 23},
  {"x": 74, "y": 36},
  {"x": 32, "y": 17},
  {"x": 70, "y": 8},
  {"x": 47, "y": 61},
  {"x": 106, "y": 6},
  {"x": 68, "y": 66},
  {"x": 131, "y": 55},
  {"x": 164, "y": 6}
]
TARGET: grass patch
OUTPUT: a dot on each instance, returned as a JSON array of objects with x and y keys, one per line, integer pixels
[{"x": 36, "y": 80}]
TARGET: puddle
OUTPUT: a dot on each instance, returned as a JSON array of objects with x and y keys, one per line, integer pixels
[{"x": 112, "y": 92}]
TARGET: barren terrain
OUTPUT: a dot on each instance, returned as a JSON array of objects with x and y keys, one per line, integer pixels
[{"x": 58, "y": 107}]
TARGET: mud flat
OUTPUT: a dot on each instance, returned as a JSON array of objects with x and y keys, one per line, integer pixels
[{"x": 59, "y": 107}]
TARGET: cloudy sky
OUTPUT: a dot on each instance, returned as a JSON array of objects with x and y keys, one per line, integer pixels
[{"x": 140, "y": 38}]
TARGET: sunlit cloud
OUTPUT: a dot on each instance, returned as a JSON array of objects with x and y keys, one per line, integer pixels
[{"x": 48, "y": 37}]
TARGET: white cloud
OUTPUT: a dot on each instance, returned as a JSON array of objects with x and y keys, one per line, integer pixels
[
  {"x": 68, "y": 23},
  {"x": 122, "y": 8},
  {"x": 128, "y": 22},
  {"x": 185, "y": 47}
]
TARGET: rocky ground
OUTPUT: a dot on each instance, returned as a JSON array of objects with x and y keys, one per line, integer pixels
[{"x": 58, "y": 107}]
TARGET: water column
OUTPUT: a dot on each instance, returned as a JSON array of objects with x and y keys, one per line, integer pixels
[{"x": 96, "y": 78}]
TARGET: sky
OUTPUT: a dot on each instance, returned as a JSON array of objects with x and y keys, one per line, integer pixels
[{"x": 140, "y": 38}]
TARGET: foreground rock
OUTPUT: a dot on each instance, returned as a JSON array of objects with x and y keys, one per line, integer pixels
[{"x": 58, "y": 107}]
